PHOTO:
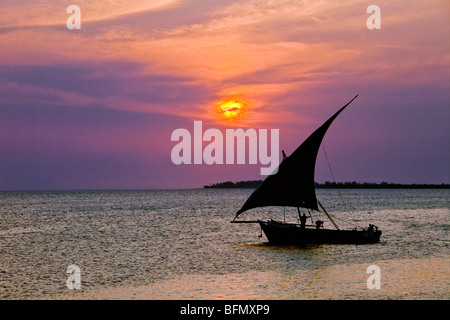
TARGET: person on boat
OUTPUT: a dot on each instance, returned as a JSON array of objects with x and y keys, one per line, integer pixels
[
  {"x": 319, "y": 224},
  {"x": 303, "y": 221}
]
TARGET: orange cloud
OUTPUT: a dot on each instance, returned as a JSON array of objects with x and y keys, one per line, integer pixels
[
  {"x": 263, "y": 50},
  {"x": 37, "y": 13}
]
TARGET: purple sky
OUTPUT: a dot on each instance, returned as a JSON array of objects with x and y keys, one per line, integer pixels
[{"x": 95, "y": 108}]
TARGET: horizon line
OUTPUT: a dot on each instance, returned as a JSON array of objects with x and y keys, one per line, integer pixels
[{"x": 384, "y": 183}]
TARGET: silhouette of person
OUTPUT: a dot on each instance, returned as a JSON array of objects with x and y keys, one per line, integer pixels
[{"x": 303, "y": 221}]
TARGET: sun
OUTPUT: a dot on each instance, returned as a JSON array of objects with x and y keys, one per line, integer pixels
[{"x": 231, "y": 109}]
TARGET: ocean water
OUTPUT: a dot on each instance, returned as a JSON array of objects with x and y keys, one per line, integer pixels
[{"x": 180, "y": 244}]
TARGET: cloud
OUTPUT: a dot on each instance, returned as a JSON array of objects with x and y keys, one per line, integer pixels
[
  {"x": 116, "y": 85},
  {"x": 264, "y": 49},
  {"x": 38, "y": 13}
]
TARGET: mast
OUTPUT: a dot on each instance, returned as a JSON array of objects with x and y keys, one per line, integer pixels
[{"x": 329, "y": 217}]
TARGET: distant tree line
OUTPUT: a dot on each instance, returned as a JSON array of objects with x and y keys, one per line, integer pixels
[
  {"x": 239, "y": 184},
  {"x": 336, "y": 185},
  {"x": 382, "y": 185}
]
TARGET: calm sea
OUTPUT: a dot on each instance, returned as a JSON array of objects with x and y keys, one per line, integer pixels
[{"x": 180, "y": 244}]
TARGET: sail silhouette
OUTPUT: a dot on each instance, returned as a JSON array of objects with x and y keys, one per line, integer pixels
[{"x": 293, "y": 184}]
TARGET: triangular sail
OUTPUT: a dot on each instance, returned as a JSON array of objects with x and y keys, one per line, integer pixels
[{"x": 293, "y": 184}]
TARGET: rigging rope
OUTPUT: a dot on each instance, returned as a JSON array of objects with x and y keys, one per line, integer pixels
[{"x": 339, "y": 193}]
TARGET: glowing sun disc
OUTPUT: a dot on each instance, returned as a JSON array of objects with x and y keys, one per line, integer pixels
[{"x": 231, "y": 109}]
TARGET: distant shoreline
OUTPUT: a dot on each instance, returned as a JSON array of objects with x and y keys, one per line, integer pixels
[{"x": 334, "y": 185}]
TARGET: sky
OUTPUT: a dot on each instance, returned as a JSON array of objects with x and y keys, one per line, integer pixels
[{"x": 95, "y": 108}]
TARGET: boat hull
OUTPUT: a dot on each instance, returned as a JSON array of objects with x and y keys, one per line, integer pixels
[{"x": 285, "y": 233}]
